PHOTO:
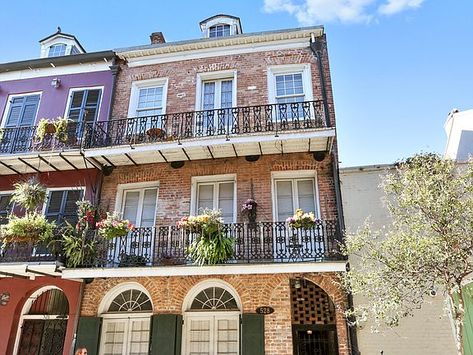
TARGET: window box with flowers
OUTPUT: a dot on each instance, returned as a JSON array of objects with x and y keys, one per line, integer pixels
[
  {"x": 211, "y": 244},
  {"x": 113, "y": 226},
  {"x": 302, "y": 220}
]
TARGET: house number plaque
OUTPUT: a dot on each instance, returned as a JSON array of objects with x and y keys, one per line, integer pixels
[{"x": 265, "y": 310}]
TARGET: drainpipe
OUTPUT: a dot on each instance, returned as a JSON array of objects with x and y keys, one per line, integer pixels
[
  {"x": 114, "y": 68},
  {"x": 317, "y": 45}
]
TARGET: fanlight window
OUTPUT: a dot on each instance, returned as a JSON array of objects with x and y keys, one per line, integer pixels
[
  {"x": 50, "y": 302},
  {"x": 214, "y": 298},
  {"x": 131, "y": 301}
]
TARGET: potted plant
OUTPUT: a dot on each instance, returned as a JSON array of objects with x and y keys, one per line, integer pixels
[
  {"x": 113, "y": 226},
  {"x": 302, "y": 219},
  {"x": 155, "y": 133},
  {"x": 249, "y": 209},
  {"x": 79, "y": 247},
  {"x": 212, "y": 245},
  {"x": 61, "y": 132},
  {"x": 32, "y": 227},
  {"x": 44, "y": 127}
]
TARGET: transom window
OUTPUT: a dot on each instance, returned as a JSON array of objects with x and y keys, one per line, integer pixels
[
  {"x": 150, "y": 102},
  {"x": 292, "y": 194},
  {"x": 289, "y": 88},
  {"x": 217, "y": 195},
  {"x": 57, "y": 50},
  {"x": 221, "y": 30},
  {"x": 131, "y": 301},
  {"x": 214, "y": 298}
]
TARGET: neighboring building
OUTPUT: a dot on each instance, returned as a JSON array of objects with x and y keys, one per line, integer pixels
[
  {"x": 430, "y": 331},
  {"x": 210, "y": 123},
  {"x": 459, "y": 129},
  {"x": 39, "y": 309}
]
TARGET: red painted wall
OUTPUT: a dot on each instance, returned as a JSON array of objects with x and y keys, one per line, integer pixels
[{"x": 20, "y": 290}]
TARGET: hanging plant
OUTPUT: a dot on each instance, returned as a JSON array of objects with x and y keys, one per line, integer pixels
[
  {"x": 44, "y": 127},
  {"x": 32, "y": 227},
  {"x": 61, "y": 129},
  {"x": 29, "y": 194}
]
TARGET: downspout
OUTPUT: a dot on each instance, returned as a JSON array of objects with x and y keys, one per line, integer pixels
[{"x": 317, "y": 45}]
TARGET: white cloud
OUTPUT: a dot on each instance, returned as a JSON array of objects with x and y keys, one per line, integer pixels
[{"x": 310, "y": 12}]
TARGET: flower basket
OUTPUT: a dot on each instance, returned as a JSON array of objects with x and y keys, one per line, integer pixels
[
  {"x": 113, "y": 226},
  {"x": 249, "y": 209},
  {"x": 30, "y": 228},
  {"x": 302, "y": 220}
]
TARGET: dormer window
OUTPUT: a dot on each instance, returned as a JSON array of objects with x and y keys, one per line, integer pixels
[
  {"x": 74, "y": 50},
  {"x": 57, "y": 50},
  {"x": 219, "y": 31},
  {"x": 220, "y": 26}
]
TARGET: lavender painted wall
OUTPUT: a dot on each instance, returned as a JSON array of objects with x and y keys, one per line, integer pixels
[{"x": 53, "y": 101}]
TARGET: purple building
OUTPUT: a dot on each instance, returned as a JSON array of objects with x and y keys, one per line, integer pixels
[{"x": 65, "y": 82}]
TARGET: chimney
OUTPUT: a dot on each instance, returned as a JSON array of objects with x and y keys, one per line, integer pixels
[{"x": 157, "y": 37}]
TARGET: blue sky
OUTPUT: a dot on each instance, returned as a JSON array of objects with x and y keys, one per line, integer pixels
[{"x": 398, "y": 66}]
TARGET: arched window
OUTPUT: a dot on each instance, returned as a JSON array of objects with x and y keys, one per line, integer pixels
[
  {"x": 211, "y": 320},
  {"x": 44, "y": 323},
  {"x": 126, "y": 321},
  {"x": 57, "y": 50}
]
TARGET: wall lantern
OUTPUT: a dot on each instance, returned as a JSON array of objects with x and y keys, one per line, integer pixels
[{"x": 55, "y": 83}]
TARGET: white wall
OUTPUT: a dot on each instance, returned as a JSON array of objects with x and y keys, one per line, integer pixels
[
  {"x": 459, "y": 130},
  {"x": 429, "y": 332}
]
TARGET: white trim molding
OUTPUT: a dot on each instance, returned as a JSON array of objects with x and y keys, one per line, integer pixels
[
  {"x": 275, "y": 70},
  {"x": 75, "y": 89},
  {"x": 9, "y": 102},
  {"x": 141, "y": 84},
  {"x": 202, "y": 285},
  {"x": 216, "y": 75},
  {"x": 108, "y": 298}
]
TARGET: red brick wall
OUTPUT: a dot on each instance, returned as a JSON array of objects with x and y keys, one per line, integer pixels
[
  {"x": 175, "y": 184},
  {"x": 168, "y": 294}
]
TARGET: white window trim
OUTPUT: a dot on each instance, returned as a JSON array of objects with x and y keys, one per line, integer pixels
[
  {"x": 217, "y": 75},
  {"x": 141, "y": 84},
  {"x": 9, "y": 100},
  {"x": 115, "y": 291},
  {"x": 290, "y": 69},
  {"x": 294, "y": 174},
  {"x": 220, "y": 20},
  {"x": 212, "y": 179},
  {"x": 68, "y": 188},
  {"x": 121, "y": 188},
  {"x": 26, "y": 309},
  {"x": 69, "y": 98}
]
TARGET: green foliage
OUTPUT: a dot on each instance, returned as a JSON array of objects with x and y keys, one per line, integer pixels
[
  {"x": 32, "y": 227},
  {"x": 61, "y": 129},
  {"x": 427, "y": 246},
  {"x": 42, "y": 128},
  {"x": 29, "y": 194},
  {"x": 79, "y": 249}
]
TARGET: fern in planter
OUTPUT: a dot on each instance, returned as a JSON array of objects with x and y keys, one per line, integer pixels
[
  {"x": 29, "y": 194},
  {"x": 211, "y": 246}
]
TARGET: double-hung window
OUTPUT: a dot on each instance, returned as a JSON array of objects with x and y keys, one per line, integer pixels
[
  {"x": 289, "y": 88},
  {"x": 62, "y": 205},
  {"x": 294, "y": 193},
  {"x": 216, "y": 193}
]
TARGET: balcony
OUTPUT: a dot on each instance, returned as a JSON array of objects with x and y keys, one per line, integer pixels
[
  {"x": 219, "y": 133},
  {"x": 260, "y": 242}
]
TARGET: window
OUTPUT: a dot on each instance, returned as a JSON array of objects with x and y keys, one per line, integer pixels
[
  {"x": 22, "y": 111},
  {"x": 126, "y": 324},
  {"x": 74, "y": 50},
  {"x": 289, "y": 88},
  {"x": 217, "y": 94},
  {"x": 294, "y": 193},
  {"x": 57, "y": 50},
  {"x": 84, "y": 105},
  {"x": 5, "y": 207},
  {"x": 215, "y": 194},
  {"x": 221, "y": 30},
  {"x": 61, "y": 205},
  {"x": 139, "y": 205},
  {"x": 212, "y": 321},
  {"x": 150, "y": 102}
]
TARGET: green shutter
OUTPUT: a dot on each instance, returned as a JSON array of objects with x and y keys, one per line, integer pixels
[
  {"x": 252, "y": 334},
  {"x": 88, "y": 334},
  {"x": 166, "y": 333}
]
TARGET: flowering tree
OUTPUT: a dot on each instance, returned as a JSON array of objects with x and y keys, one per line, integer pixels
[{"x": 428, "y": 246}]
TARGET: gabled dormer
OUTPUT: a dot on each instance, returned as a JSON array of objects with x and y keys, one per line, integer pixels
[
  {"x": 220, "y": 26},
  {"x": 60, "y": 44}
]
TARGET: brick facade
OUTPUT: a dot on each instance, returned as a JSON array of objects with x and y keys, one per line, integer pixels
[{"x": 168, "y": 294}]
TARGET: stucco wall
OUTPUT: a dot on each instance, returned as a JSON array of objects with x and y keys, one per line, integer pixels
[{"x": 429, "y": 331}]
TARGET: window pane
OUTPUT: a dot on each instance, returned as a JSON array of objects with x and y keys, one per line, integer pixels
[
  {"x": 57, "y": 50},
  {"x": 205, "y": 197},
  {"x": 306, "y": 195},
  {"x": 226, "y": 94},
  {"x": 225, "y": 201},
  {"x": 150, "y": 97},
  {"x": 199, "y": 337},
  {"x": 77, "y": 97},
  {"x": 54, "y": 202},
  {"x": 209, "y": 96},
  {"x": 284, "y": 199},
  {"x": 149, "y": 208},
  {"x": 114, "y": 337},
  {"x": 130, "y": 209}
]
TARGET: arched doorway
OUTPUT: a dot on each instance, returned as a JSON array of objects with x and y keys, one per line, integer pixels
[
  {"x": 43, "y": 323},
  {"x": 314, "y": 331},
  {"x": 211, "y": 320},
  {"x": 126, "y": 312}
]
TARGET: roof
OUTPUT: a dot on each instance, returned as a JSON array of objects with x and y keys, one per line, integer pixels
[
  {"x": 58, "y": 32},
  {"x": 219, "y": 15},
  {"x": 56, "y": 61},
  {"x": 200, "y": 43}
]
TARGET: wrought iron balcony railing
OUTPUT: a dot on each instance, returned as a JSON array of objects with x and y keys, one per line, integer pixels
[
  {"x": 224, "y": 122},
  {"x": 27, "y": 252},
  {"x": 23, "y": 139},
  {"x": 261, "y": 242}
]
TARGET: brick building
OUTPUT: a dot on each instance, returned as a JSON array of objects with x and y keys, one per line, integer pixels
[{"x": 209, "y": 124}]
